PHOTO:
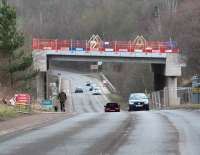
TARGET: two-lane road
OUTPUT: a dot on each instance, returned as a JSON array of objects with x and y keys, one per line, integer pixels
[
  {"x": 138, "y": 133},
  {"x": 84, "y": 102},
  {"x": 93, "y": 132}
]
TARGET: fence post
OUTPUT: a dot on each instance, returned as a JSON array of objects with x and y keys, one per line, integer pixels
[
  {"x": 190, "y": 95},
  {"x": 152, "y": 100},
  {"x": 159, "y": 98},
  {"x": 33, "y": 43},
  {"x": 86, "y": 46},
  {"x": 71, "y": 44},
  {"x": 115, "y": 46},
  {"x": 164, "y": 97},
  {"x": 51, "y": 45},
  {"x": 38, "y": 43},
  {"x": 56, "y": 44}
]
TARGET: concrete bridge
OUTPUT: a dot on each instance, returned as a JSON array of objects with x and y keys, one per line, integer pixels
[{"x": 163, "y": 57}]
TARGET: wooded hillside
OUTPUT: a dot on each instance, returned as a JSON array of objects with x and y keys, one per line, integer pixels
[{"x": 116, "y": 19}]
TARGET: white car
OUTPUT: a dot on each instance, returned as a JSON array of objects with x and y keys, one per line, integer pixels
[
  {"x": 138, "y": 101},
  {"x": 96, "y": 91}
]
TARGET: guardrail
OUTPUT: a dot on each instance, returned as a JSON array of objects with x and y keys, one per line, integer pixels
[{"x": 105, "y": 46}]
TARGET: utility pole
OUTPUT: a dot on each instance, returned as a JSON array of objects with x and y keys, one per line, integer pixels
[
  {"x": 171, "y": 6},
  {"x": 158, "y": 17}
]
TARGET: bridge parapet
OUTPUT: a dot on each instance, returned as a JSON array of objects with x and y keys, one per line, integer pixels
[{"x": 96, "y": 44}]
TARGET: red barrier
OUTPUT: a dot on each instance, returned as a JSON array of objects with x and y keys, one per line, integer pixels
[
  {"x": 23, "y": 99},
  {"x": 106, "y": 46}
]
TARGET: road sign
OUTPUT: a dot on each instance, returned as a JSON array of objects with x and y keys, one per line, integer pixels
[
  {"x": 140, "y": 42},
  {"x": 22, "y": 99},
  {"x": 47, "y": 104}
]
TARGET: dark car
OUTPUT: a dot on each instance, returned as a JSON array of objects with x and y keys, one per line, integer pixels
[
  {"x": 79, "y": 90},
  {"x": 88, "y": 83},
  {"x": 112, "y": 107},
  {"x": 91, "y": 88}
]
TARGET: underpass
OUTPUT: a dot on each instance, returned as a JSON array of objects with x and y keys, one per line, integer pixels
[{"x": 83, "y": 102}]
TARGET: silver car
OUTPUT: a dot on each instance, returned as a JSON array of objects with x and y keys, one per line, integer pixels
[{"x": 138, "y": 101}]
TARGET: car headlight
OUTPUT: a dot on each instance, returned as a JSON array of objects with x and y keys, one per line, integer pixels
[
  {"x": 146, "y": 102},
  {"x": 131, "y": 103}
]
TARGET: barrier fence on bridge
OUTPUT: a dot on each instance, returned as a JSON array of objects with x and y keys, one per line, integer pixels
[{"x": 105, "y": 46}]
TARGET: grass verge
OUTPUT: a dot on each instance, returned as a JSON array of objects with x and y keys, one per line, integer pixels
[
  {"x": 7, "y": 112},
  {"x": 117, "y": 98}
]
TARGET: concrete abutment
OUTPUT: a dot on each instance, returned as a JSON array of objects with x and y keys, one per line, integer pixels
[{"x": 165, "y": 79}]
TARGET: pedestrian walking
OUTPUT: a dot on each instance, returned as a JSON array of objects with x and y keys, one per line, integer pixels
[{"x": 62, "y": 98}]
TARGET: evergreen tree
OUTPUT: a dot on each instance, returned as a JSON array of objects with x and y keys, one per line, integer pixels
[{"x": 11, "y": 40}]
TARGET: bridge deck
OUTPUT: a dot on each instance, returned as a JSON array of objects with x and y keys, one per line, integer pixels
[
  {"x": 102, "y": 54},
  {"x": 136, "y": 57}
]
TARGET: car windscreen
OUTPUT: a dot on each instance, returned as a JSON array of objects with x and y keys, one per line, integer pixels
[
  {"x": 138, "y": 97},
  {"x": 112, "y": 105}
]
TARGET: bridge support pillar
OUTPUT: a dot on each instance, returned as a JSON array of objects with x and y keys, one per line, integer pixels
[
  {"x": 170, "y": 91},
  {"x": 165, "y": 78},
  {"x": 172, "y": 72},
  {"x": 41, "y": 86}
]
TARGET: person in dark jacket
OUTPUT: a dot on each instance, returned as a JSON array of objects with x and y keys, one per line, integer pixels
[{"x": 62, "y": 98}]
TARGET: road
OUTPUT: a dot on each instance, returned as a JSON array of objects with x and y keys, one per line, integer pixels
[
  {"x": 93, "y": 132},
  {"x": 140, "y": 133},
  {"x": 84, "y": 102}
]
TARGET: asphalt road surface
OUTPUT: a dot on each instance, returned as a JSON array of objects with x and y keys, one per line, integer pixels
[
  {"x": 93, "y": 132},
  {"x": 136, "y": 133}
]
